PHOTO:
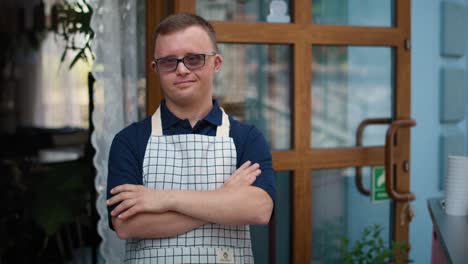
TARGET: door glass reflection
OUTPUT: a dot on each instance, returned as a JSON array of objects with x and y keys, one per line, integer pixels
[
  {"x": 273, "y": 11},
  {"x": 354, "y": 12},
  {"x": 340, "y": 211},
  {"x": 350, "y": 84},
  {"x": 279, "y": 230},
  {"x": 254, "y": 85}
]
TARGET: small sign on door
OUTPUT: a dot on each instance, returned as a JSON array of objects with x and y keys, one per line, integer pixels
[{"x": 378, "y": 192}]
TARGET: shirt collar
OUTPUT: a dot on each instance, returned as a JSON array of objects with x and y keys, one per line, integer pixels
[{"x": 168, "y": 119}]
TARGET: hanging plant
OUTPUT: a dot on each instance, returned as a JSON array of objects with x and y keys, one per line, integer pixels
[{"x": 71, "y": 20}]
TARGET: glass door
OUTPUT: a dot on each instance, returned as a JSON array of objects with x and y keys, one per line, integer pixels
[
  {"x": 349, "y": 84},
  {"x": 328, "y": 84}
]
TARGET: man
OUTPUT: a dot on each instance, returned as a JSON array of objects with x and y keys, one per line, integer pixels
[{"x": 184, "y": 184}]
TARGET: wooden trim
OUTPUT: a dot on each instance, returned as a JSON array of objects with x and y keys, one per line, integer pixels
[
  {"x": 188, "y": 6},
  {"x": 300, "y": 12},
  {"x": 243, "y": 32},
  {"x": 403, "y": 111},
  {"x": 302, "y": 217},
  {"x": 155, "y": 12},
  {"x": 330, "y": 158},
  {"x": 302, "y": 55}
]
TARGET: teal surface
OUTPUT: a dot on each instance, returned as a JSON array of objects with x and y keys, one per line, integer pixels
[
  {"x": 452, "y": 95},
  {"x": 452, "y": 29},
  {"x": 452, "y": 143}
]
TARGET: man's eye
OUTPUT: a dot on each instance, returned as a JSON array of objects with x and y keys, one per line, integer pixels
[
  {"x": 170, "y": 59},
  {"x": 192, "y": 58},
  {"x": 167, "y": 61}
]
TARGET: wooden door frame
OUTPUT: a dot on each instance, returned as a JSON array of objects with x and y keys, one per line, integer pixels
[{"x": 302, "y": 159}]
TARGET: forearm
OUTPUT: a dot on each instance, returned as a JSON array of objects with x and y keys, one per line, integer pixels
[
  {"x": 230, "y": 206},
  {"x": 235, "y": 203},
  {"x": 152, "y": 225}
]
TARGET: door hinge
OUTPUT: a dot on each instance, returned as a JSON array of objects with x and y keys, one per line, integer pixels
[
  {"x": 407, "y": 44},
  {"x": 406, "y": 166}
]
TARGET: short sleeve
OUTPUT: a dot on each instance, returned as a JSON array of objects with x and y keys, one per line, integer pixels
[
  {"x": 255, "y": 148},
  {"x": 124, "y": 162}
]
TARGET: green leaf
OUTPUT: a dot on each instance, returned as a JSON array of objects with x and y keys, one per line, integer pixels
[
  {"x": 50, "y": 219},
  {"x": 370, "y": 248},
  {"x": 67, "y": 200},
  {"x": 64, "y": 54},
  {"x": 74, "y": 18},
  {"x": 75, "y": 60}
]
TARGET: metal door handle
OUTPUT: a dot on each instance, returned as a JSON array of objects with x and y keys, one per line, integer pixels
[
  {"x": 389, "y": 161},
  {"x": 359, "y": 133}
]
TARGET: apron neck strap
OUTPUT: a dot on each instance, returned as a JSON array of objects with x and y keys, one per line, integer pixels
[
  {"x": 156, "y": 124},
  {"x": 221, "y": 131}
]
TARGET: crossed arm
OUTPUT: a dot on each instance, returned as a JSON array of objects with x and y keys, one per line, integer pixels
[{"x": 147, "y": 213}]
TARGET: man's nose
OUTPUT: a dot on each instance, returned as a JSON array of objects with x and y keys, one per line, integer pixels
[{"x": 181, "y": 68}]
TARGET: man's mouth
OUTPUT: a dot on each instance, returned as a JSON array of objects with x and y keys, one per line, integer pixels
[{"x": 182, "y": 82}]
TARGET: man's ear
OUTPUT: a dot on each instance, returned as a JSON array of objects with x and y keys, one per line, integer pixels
[
  {"x": 218, "y": 62},
  {"x": 153, "y": 66}
]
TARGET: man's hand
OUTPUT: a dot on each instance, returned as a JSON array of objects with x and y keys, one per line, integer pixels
[
  {"x": 135, "y": 199},
  {"x": 245, "y": 175},
  {"x": 236, "y": 202}
]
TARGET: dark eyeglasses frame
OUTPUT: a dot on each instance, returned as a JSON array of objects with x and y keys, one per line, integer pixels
[{"x": 183, "y": 61}]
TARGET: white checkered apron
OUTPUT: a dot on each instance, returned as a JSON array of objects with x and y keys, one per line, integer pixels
[{"x": 191, "y": 162}]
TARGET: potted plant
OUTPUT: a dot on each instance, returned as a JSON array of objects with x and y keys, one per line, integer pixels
[{"x": 371, "y": 249}]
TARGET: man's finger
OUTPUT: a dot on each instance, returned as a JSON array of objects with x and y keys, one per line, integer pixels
[
  {"x": 250, "y": 169},
  {"x": 257, "y": 172},
  {"x": 253, "y": 167},
  {"x": 122, "y": 207},
  {"x": 123, "y": 188},
  {"x": 131, "y": 211},
  {"x": 252, "y": 179},
  {"x": 118, "y": 198},
  {"x": 114, "y": 200},
  {"x": 119, "y": 209},
  {"x": 246, "y": 164},
  {"x": 253, "y": 176}
]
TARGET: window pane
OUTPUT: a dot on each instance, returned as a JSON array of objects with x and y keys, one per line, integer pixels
[
  {"x": 254, "y": 85},
  {"x": 60, "y": 98},
  {"x": 276, "y": 11},
  {"x": 340, "y": 211},
  {"x": 354, "y": 12},
  {"x": 349, "y": 85}
]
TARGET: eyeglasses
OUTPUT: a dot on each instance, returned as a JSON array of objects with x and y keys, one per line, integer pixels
[{"x": 191, "y": 62}]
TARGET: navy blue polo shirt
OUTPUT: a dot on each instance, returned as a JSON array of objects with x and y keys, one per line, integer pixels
[{"x": 129, "y": 145}]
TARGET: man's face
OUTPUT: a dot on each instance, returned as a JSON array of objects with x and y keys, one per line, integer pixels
[{"x": 184, "y": 87}]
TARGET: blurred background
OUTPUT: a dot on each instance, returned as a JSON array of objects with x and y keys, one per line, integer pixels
[{"x": 324, "y": 80}]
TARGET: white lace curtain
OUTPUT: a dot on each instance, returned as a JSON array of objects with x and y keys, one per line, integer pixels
[{"x": 115, "y": 92}]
